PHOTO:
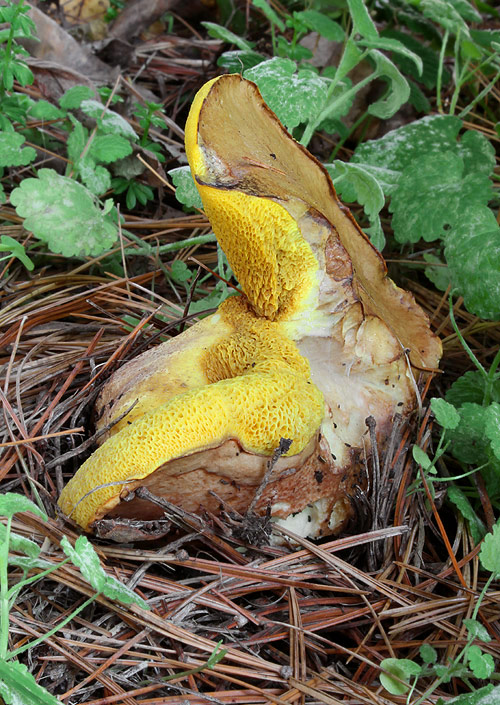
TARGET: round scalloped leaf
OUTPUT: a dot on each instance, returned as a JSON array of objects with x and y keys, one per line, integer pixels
[
  {"x": 399, "y": 148},
  {"x": 471, "y": 387},
  {"x": 433, "y": 195},
  {"x": 64, "y": 214},
  {"x": 11, "y": 153},
  {"x": 477, "y": 152},
  {"x": 294, "y": 97},
  {"x": 490, "y": 551},
  {"x": 185, "y": 188},
  {"x": 109, "y": 121},
  {"x": 472, "y": 251}
]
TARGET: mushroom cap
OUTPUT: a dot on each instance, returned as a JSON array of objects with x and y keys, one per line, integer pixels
[{"x": 320, "y": 340}]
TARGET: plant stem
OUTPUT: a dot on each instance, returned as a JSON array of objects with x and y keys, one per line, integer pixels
[
  {"x": 47, "y": 635},
  {"x": 439, "y": 80},
  {"x": 4, "y": 592}
]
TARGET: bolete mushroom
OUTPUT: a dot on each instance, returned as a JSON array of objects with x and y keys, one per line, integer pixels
[{"x": 320, "y": 339}]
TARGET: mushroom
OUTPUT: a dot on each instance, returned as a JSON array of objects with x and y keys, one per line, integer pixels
[{"x": 319, "y": 340}]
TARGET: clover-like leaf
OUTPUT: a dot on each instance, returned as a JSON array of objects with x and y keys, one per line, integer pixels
[
  {"x": 433, "y": 196},
  {"x": 11, "y": 153},
  {"x": 295, "y": 96},
  {"x": 64, "y": 214},
  {"x": 428, "y": 653},
  {"x": 109, "y": 148},
  {"x": 468, "y": 440},
  {"x": 472, "y": 249},
  {"x": 481, "y": 664},
  {"x": 84, "y": 556},
  {"x": 185, "y": 189},
  {"x": 490, "y": 551}
]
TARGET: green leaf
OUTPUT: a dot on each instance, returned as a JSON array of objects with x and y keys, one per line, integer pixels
[
  {"x": 445, "y": 413},
  {"x": 430, "y": 59},
  {"x": 271, "y": 15},
  {"x": 477, "y": 152},
  {"x": 398, "y": 90},
  {"x": 84, "y": 556},
  {"x": 461, "y": 501},
  {"x": 468, "y": 441},
  {"x": 492, "y": 427},
  {"x": 15, "y": 249},
  {"x": 180, "y": 271},
  {"x": 466, "y": 10},
  {"x": 74, "y": 97},
  {"x": 443, "y": 13},
  {"x": 19, "y": 543},
  {"x": 12, "y": 503},
  {"x": 64, "y": 214},
  {"x": 421, "y": 457},
  {"x": 109, "y": 148},
  {"x": 11, "y": 153},
  {"x": 428, "y": 654},
  {"x": 108, "y": 120},
  {"x": 295, "y": 96},
  {"x": 481, "y": 664},
  {"x": 490, "y": 551},
  {"x": 439, "y": 275},
  {"x": 471, "y": 387},
  {"x": 76, "y": 141},
  {"x": 399, "y": 148},
  {"x": 438, "y": 181},
  {"x": 43, "y": 110},
  {"x": 322, "y": 24},
  {"x": 402, "y": 668},
  {"x": 238, "y": 61},
  {"x": 96, "y": 178},
  {"x": 219, "y": 32},
  {"x": 361, "y": 20},
  {"x": 477, "y": 697},
  {"x": 388, "y": 44},
  {"x": 22, "y": 73},
  {"x": 472, "y": 250},
  {"x": 185, "y": 188},
  {"x": 18, "y": 686},
  {"x": 477, "y": 630}
]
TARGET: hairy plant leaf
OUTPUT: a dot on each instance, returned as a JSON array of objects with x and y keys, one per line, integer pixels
[
  {"x": 218, "y": 32},
  {"x": 395, "y": 46},
  {"x": 64, "y": 214},
  {"x": 443, "y": 13},
  {"x": 84, "y": 556},
  {"x": 74, "y": 97},
  {"x": 109, "y": 148},
  {"x": 433, "y": 196},
  {"x": 481, "y": 696},
  {"x": 430, "y": 59},
  {"x": 492, "y": 428},
  {"x": 237, "y": 61},
  {"x": 399, "y": 148},
  {"x": 271, "y": 14},
  {"x": 477, "y": 153},
  {"x": 95, "y": 177},
  {"x": 471, "y": 387},
  {"x": 477, "y": 630},
  {"x": 398, "y": 90},
  {"x": 322, "y": 24},
  {"x": 20, "y": 543},
  {"x": 185, "y": 189},
  {"x": 43, "y": 110},
  {"x": 438, "y": 274},
  {"x": 11, "y": 153},
  {"x": 295, "y": 96},
  {"x": 12, "y": 503},
  {"x": 19, "y": 687},
  {"x": 363, "y": 23},
  {"x": 469, "y": 443},
  {"x": 428, "y": 653},
  {"x": 472, "y": 250},
  {"x": 108, "y": 120}
]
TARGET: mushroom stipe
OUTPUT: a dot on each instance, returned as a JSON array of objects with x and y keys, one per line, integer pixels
[{"x": 319, "y": 340}]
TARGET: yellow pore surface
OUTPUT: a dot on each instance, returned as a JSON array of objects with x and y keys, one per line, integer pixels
[
  {"x": 271, "y": 397},
  {"x": 272, "y": 261}
]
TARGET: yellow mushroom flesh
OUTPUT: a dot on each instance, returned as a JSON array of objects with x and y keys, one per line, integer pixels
[{"x": 320, "y": 341}]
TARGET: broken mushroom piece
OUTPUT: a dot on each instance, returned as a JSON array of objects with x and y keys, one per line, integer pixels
[{"x": 320, "y": 339}]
